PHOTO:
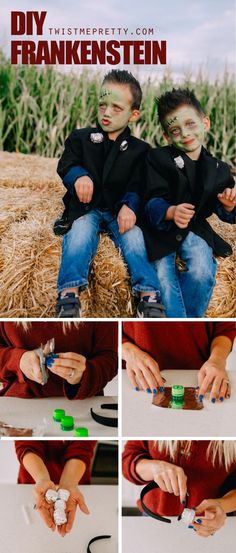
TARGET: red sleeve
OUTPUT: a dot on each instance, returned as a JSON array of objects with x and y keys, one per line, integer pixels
[
  {"x": 82, "y": 450},
  {"x": 227, "y": 329},
  {"x": 34, "y": 446},
  {"x": 102, "y": 365},
  {"x": 9, "y": 361},
  {"x": 127, "y": 332},
  {"x": 133, "y": 451}
]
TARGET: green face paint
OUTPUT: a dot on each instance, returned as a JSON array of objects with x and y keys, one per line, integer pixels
[
  {"x": 185, "y": 129},
  {"x": 114, "y": 110}
]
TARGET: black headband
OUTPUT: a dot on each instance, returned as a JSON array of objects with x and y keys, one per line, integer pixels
[
  {"x": 97, "y": 538},
  {"x": 148, "y": 488},
  {"x": 106, "y": 421}
]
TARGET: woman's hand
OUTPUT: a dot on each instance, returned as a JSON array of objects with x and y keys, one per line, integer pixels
[
  {"x": 69, "y": 366},
  {"x": 209, "y": 517},
  {"x": 143, "y": 371},
  {"x": 44, "y": 508},
  {"x": 214, "y": 376},
  {"x": 30, "y": 366},
  {"x": 170, "y": 478},
  {"x": 75, "y": 500}
]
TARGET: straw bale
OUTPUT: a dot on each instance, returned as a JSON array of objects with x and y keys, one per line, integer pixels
[{"x": 30, "y": 198}]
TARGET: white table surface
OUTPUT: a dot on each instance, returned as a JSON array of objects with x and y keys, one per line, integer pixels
[
  {"x": 16, "y": 536},
  {"x": 141, "y": 418},
  {"x": 142, "y": 534},
  {"x": 21, "y": 412}
]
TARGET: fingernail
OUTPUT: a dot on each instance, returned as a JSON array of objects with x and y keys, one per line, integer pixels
[
  {"x": 161, "y": 389},
  {"x": 200, "y": 397},
  {"x": 199, "y": 520},
  {"x": 148, "y": 390},
  {"x": 154, "y": 391},
  {"x": 213, "y": 400},
  {"x": 183, "y": 502},
  {"x": 221, "y": 398},
  {"x": 54, "y": 356},
  {"x": 197, "y": 387},
  {"x": 190, "y": 526},
  {"x": 137, "y": 389}
]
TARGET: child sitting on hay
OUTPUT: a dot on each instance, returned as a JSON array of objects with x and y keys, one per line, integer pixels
[
  {"x": 185, "y": 185},
  {"x": 102, "y": 169}
]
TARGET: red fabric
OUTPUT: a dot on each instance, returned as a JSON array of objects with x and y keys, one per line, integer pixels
[
  {"x": 177, "y": 345},
  {"x": 55, "y": 454},
  {"x": 97, "y": 341},
  {"x": 204, "y": 481}
]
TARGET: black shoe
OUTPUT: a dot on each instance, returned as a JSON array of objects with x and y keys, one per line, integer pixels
[
  {"x": 68, "y": 307},
  {"x": 149, "y": 307},
  {"x": 61, "y": 226}
]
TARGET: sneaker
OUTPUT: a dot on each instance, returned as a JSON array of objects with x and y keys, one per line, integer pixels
[
  {"x": 149, "y": 307},
  {"x": 68, "y": 307},
  {"x": 61, "y": 226}
]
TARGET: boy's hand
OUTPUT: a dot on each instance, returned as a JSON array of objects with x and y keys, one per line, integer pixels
[
  {"x": 84, "y": 189},
  {"x": 228, "y": 198},
  {"x": 183, "y": 214},
  {"x": 126, "y": 219}
]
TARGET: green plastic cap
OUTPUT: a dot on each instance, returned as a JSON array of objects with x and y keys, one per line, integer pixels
[
  {"x": 81, "y": 432},
  {"x": 67, "y": 423},
  {"x": 177, "y": 391},
  {"x": 58, "y": 414}
]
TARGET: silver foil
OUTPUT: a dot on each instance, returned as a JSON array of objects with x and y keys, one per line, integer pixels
[
  {"x": 188, "y": 516},
  {"x": 63, "y": 494},
  {"x": 59, "y": 517},
  {"x": 51, "y": 496}
]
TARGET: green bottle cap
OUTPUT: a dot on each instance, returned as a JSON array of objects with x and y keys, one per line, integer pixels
[
  {"x": 81, "y": 432},
  {"x": 58, "y": 414},
  {"x": 177, "y": 391},
  {"x": 67, "y": 423}
]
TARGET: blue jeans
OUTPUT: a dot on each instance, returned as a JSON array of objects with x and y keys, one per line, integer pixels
[
  {"x": 80, "y": 245},
  {"x": 187, "y": 293}
]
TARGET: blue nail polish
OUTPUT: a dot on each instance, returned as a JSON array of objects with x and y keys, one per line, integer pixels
[
  {"x": 48, "y": 363},
  {"x": 161, "y": 389},
  {"x": 213, "y": 400},
  {"x": 183, "y": 502},
  {"x": 154, "y": 391},
  {"x": 54, "y": 356},
  {"x": 197, "y": 387},
  {"x": 137, "y": 389},
  {"x": 200, "y": 397},
  {"x": 190, "y": 526},
  {"x": 199, "y": 520},
  {"x": 221, "y": 398},
  {"x": 148, "y": 390}
]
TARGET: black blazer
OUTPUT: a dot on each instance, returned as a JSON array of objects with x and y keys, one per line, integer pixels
[
  {"x": 166, "y": 180},
  {"x": 113, "y": 175}
]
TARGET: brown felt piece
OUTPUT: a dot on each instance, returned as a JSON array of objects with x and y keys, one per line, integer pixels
[
  {"x": 191, "y": 401},
  {"x": 31, "y": 199}
]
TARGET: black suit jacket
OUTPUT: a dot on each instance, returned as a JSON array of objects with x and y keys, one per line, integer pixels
[
  {"x": 113, "y": 175},
  {"x": 166, "y": 180}
]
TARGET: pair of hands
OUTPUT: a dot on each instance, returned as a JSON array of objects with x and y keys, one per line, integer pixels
[
  {"x": 172, "y": 479},
  {"x": 45, "y": 509},
  {"x": 183, "y": 213},
  {"x": 126, "y": 218},
  {"x": 69, "y": 366},
  {"x": 144, "y": 373}
]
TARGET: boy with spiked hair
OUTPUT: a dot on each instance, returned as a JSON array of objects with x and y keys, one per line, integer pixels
[
  {"x": 102, "y": 169},
  {"x": 185, "y": 185}
]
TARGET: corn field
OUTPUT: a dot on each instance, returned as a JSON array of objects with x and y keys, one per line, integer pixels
[{"x": 39, "y": 107}]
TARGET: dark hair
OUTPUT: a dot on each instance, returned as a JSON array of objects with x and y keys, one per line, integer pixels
[
  {"x": 175, "y": 98},
  {"x": 118, "y": 76}
]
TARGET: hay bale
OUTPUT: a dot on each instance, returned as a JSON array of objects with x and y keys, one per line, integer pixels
[{"x": 30, "y": 197}]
